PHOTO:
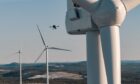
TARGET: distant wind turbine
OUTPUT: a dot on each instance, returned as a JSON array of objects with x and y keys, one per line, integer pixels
[
  {"x": 45, "y": 50},
  {"x": 20, "y": 66}
]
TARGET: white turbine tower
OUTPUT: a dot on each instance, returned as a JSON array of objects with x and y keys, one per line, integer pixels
[
  {"x": 108, "y": 15},
  {"x": 20, "y": 66},
  {"x": 46, "y": 52}
]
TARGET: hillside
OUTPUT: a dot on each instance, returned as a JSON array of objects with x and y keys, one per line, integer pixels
[{"x": 64, "y": 71}]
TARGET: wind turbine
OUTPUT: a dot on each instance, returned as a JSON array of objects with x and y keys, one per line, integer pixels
[
  {"x": 20, "y": 66},
  {"x": 78, "y": 21},
  {"x": 46, "y": 52},
  {"x": 106, "y": 17}
]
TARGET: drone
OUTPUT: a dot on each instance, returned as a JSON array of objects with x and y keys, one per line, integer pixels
[{"x": 54, "y": 26}]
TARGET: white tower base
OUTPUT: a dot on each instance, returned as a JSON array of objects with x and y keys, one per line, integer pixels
[
  {"x": 111, "y": 50},
  {"x": 95, "y": 62}
]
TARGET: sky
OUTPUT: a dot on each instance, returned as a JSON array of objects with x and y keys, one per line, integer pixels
[{"x": 18, "y": 19}]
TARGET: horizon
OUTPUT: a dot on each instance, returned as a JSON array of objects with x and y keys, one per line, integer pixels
[{"x": 67, "y": 62}]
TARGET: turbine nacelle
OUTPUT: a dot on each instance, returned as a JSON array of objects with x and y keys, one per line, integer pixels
[
  {"x": 86, "y": 15},
  {"x": 78, "y": 20}
]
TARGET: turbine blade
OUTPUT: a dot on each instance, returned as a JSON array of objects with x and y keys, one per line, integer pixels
[
  {"x": 130, "y": 4},
  {"x": 95, "y": 57},
  {"x": 43, "y": 41},
  {"x": 13, "y": 54},
  {"x": 54, "y": 48},
  {"x": 39, "y": 56},
  {"x": 111, "y": 51}
]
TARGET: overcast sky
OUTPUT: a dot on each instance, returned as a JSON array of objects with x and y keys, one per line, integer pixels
[{"x": 18, "y": 19}]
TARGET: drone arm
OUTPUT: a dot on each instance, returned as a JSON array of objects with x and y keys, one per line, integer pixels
[{"x": 130, "y": 4}]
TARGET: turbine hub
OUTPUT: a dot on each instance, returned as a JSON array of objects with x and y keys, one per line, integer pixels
[{"x": 109, "y": 12}]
